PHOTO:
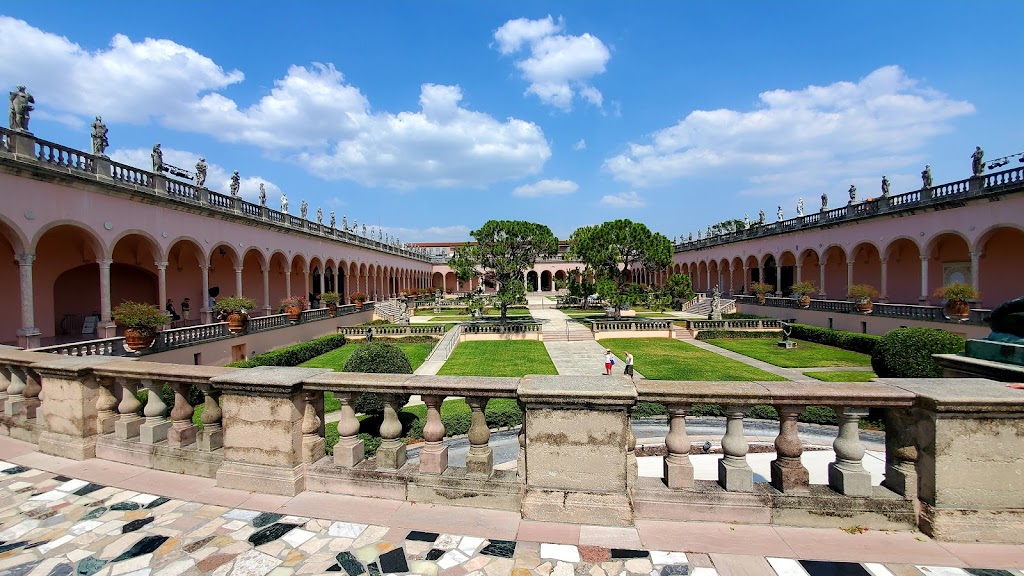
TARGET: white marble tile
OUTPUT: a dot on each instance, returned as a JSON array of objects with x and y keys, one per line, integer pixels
[
  {"x": 469, "y": 544},
  {"x": 877, "y": 569},
  {"x": 72, "y": 485},
  {"x": 299, "y": 520},
  {"x": 177, "y": 568},
  {"x": 943, "y": 571},
  {"x": 235, "y": 525},
  {"x": 19, "y": 530},
  {"x": 15, "y": 486},
  {"x": 297, "y": 537},
  {"x": 50, "y": 496},
  {"x": 143, "y": 499},
  {"x": 83, "y": 527},
  {"x": 564, "y": 552},
  {"x": 346, "y": 529},
  {"x": 658, "y": 557},
  {"x": 131, "y": 565},
  {"x": 787, "y": 567},
  {"x": 452, "y": 558},
  {"x": 56, "y": 543},
  {"x": 703, "y": 571},
  {"x": 239, "y": 514},
  {"x": 447, "y": 542},
  {"x": 254, "y": 563},
  {"x": 76, "y": 555}
]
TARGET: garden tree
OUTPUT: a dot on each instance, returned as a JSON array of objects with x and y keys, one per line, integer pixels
[
  {"x": 615, "y": 248},
  {"x": 580, "y": 286},
  {"x": 504, "y": 249},
  {"x": 727, "y": 226},
  {"x": 679, "y": 290}
]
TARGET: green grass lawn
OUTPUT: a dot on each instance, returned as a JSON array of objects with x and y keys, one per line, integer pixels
[
  {"x": 499, "y": 358},
  {"x": 668, "y": 359},
  {"x": 843, "y": 376},
  {"x": 335, "y": 359},
  {"x": 805, "y": 355}
]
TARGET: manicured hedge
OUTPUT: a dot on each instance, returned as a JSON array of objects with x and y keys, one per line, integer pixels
[
  {"x": 714, "y": 334},
  {"x": 864, "y": 343},
  {"x": 907, "y": 352},
  {"x": 295, "y": 354},
  {"x": 742, "y": 316},
  {"x": 377, "y": 358}
]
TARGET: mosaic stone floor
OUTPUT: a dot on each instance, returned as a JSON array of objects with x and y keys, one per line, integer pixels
[{"x": 51, "y": 525}]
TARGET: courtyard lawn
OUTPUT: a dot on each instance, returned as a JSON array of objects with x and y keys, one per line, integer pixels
[
  {"x": 335, "y": 359},
  {"x": 669, "y": 359},
  {"x": 499, "y": 358},
  {"x": 843, "y": 376},
  {"x": 805, "y": 355}
]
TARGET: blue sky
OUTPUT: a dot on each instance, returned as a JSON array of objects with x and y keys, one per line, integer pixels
[{"x": 430, "y": 118}]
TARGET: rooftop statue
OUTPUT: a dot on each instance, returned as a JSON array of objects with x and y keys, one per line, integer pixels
[
  {"x": 319, "y": 216},
  {"x": 746, "y": 221},
  {"x": 885, "y": 186},
  {"x": 824, "y": 200},
  {"x": 698, "y": 234},
  {"x": 779, "y": 213},
  {"x": 201, "y": 172},
  {"x": 158, "y": 158},
  {"x": 800, "y": 207},
  {"x": 303, "y": 209},
  {"x": 691, "y": 236},
  {"x": 926, "y": 176},
  {"x": 236, "y": 184},
  {"x": 364, "y": 230},
  {"x": 978, "y": 161},
  {"x": 263, "y": 194},
  {"x": 99, "y": 137},
  {"x": 332, "y": 220},
  {"x": 284, "y": 203},
  {"x": 853, "y": 193},
  {"x": 344, "y": 223},
  {"x": 21, "y": 109},
  {"x": 760, "y": 217}
]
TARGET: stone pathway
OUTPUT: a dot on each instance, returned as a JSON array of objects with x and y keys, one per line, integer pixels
[
  {"x": 787, "y": 373},
  {"x": 438, "y": 356},
  {"x": 98, "y": 518},
  {"x": 573, "y": 358}
]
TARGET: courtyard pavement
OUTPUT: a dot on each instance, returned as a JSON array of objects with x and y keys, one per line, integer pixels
[{"x": 60, "y": 517}]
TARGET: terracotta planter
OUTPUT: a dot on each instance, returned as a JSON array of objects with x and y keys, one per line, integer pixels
[
  {"x": 865, "y": 306},
  {"x": 294, "y": 313},
  {"x": 237, "y": 322},
  {"x": 804, "y": 301},
  {"x": 359, "y": 304},
  {"x": 957, "y": 310},
  {"x": 761, "y": 298},
  {"x": 136, "y": 339},
  {"x": 332, "y": 310}
]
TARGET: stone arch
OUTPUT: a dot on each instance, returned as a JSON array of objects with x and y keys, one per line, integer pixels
[
  {"x": 809, "y": 268},
  {"x": 737, "y": 283},
  {"x": 223, "y": 260},
  {"x": 59, "y": 248},
  {"x": 786, "y": 271},
  {"x": 949, "y": 260},
  {"x": 770, "y": 271},
  {"x": 834, "y": 261},
  {"x": 702, "y": 276},
  {"x": 150, "y": 243},
  {"x": 1000, "y": 264},
  {"x": 12, "y": 244},
  {"x": 545, "y": 281},
  {"x": 449, "y": 282},
  {"x": 712, "y": 274},
  {"x": 253, "y": 263},
  {"x": 133, "y": 271},
  {"x": 753, "y": 273},
  {"x": 532, "y": 281},
  {"x": 867, "y": 264},
  {"x": 903, "y": 271},
  {"x": 8, "y": 229}
]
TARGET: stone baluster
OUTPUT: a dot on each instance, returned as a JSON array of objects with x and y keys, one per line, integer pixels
[
  {"x": 434, "y": 454},
  {"x": 901, "y": 451},
  {"x": 33, "y": 393},
  {"x": 734, "y": 473},
  {"x": 847, "y": 474},
  {"x": 212, "y": 435},
  {"x": 480, "y": 460},
  {"x": 155, "y": 428},
  {"x": 349, "y": 450},
  {"x": 678, "y": 471},
  {"x": 182, "y": 431},
  {"x": 106, "y": 405},
  {"x": 788, "y": 473},
  {"x": 5, "y": 382},
  {"x": 129, "y": 421},
  {"x": 15, "y": 392},
  {"x": 313, "y": 446},
  {"x": 391, "y": 453}
]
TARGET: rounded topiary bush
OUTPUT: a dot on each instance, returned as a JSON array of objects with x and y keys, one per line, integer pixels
[
  {"x": 907, "y": 352},
  {"x": 377, "y": 358}
]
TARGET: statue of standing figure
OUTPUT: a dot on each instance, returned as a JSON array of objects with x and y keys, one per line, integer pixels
[
  {"x": 799, "y": 206},
  {"x": 853, "y": 193},
  {"x": 698, "y": 233},
  {"x": 760, "y": 217},
  {"x": 99, "y": 137},
  {"x": 691, "y": 236},
  {"x": 21, "y": 109},
  {"x": 926, "y": 177},
  {"x": 201, "y": 172},
  {"x": 978, "y": 161},
  {"x": 332, "y": 220},
  {"x": 303, "y": 209},
  {"x": 746, "y": 221},
  {"x": 885, "y": 186},
  {"x": 364, "y": 230},
  {"x": 236, "y": 184},
  {"x": 344, "y": 222},
  {"x": 263, "y": 194},
  {"x": 716, "y": 305},
  {"x": 779, "y": 213},
  {"x": 320, "y": 216},
  {"x": 284, "y": 203},
  {"x": 158, "y": 158},
  {"x": 824, "y": 201}
]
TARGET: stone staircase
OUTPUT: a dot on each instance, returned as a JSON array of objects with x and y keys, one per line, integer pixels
[
  {"x": 570, "y": 336},
  {"x": 701, "y": 304},
  {"x": 393, "y": 311}
]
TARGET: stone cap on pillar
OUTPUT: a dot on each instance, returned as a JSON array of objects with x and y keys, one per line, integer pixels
[
  {"x": 962, "y": 395},
  {"x": 673, "y": 392},
  {"x": 70, "y": 366},
  {"x": 19, "y": 357},
  {"x": 491, "y": 387},
  {"x": 128, "y": 368},
  {"x": 265, "y": 380},
  {"x": 596, "y": 392}
]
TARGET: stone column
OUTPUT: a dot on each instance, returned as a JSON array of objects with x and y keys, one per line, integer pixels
[
  {"x": 161, "y": 269},
  {"x": 212, "y": 435},
  {"x": 849, "y": 276},
  {"x": 821, "y": 278},
  {"x": 975, "y": 277},
  {"x": 28, "y": 334},
  {"x": 924, "y": 280},
  {"x": 480, "y": 460},
  {"x": 70, "y": 419},
  {"x": 155, "y": 428},
  {"x": 678, "y": 471},
  {"x": 288, "y": 283},
  {"x": 847, "y": 474},
  {"x": 885, "y": 280},
  {"x": 206, "y": 311},
  {"x": 760, "y": 275},
  {"x": 322, "y": 281},
  {"x": 129, "y": 421},
  {"x": 305, "y": 283},
  {"x": 5, "y": 384},
  {"x": 106, "y": 326},
  {"x": 266, "y": 290},
  {"x": 391, "y": 454},
  {"x": 366, "y": 286},
  {"x": 798, "y": 269},
  {"x": 734, "y": 473},
  {"x": 746, "y": 277},
  {"x": 313, "y": 446},
  {"x": 182, "y": 431},
  {"x": 788, "y": 473},
  {"x": 349, "y": 450},
  {"x": 434, "y": 454},
  {"x": 238, "y": 281}
]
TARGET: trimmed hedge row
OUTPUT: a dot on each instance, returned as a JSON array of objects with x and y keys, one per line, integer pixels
[
  {"x": 377, "y": 358},
  {"x": 295, "y": 354},
  {"x": 863, "y": 343},
  {"x": 713, "y": 334},
  {"x": 907, "y": 352}
]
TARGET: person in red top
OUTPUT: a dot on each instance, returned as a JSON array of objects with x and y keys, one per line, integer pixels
[{"x": 608, "y": 362}]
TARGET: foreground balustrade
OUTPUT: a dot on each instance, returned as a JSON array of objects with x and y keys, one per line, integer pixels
[{"x": 953, "y": 459}]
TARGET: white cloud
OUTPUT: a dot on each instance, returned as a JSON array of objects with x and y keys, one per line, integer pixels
[
  {"x": 546, "y": 188},
  {"x": 559, "y": 66},
  {"x": 218, "y": 178},
  {"x": 581, "y": 145},
  {"x": 454, "y": 233},
  {"x": 876, "y": 124},
  {"x": 311, "y": 116},
  {"x": 624, "y": 200}
]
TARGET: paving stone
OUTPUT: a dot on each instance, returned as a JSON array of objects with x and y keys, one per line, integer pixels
[
  {"x": 270, "y": 533},
  {"x": 393, "y": 561},
  {"x": 265, "y": 519}
]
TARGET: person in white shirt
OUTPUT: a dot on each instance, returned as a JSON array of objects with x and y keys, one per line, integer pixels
[
  {"x": 629, "y": 365},
  {"x": 608, "y": 362}
]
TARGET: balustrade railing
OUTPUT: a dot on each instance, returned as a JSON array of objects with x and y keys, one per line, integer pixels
[
  {"x": 908, "y": 311},
  {"x": 218, "y": 200},
  {"x": 63, "y": 157},
  {"x": 393, "y": 330},
  {"x": 739, "y": 324},
  {"x": 607, "y": 325},
  {"x": 129, "y": 175},
  {"x": 951, "y": 189},
  {"x": 252, "y": 210},
  {"x": 261, "y": 323},
  {"x": 102, "y": 347},
  {"x": 1014, "y": 176},
  {"x": 178, "y": 337},
  {"x": 495, "y": 328},
  {"x": 314, "y": 314},
  {"x": 181, "y": 189}
]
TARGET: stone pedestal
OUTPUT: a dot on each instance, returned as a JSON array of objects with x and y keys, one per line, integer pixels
[
  {"x": 24, "y": 145},
  {"x": 69, "y": 414},
  {"x": 787, "y": 344},
  {"x": 263, "y": 412},
  {"x": 577, "y": 437},
  {"x": 348, "y": 451}
]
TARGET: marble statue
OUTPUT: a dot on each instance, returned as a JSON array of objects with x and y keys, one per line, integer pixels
[
  {"x": 344, "y": 222},
  {"x": 158, "y": 158},
  {"x": 746, "y": 221},
  {"x": 926, "y": 176},
  {"x": 978, "y": 161},
  {"x": 853, "y": 193},
  {"x": 716, "y": 305},
  {"x": 698, "y": 234},
  {"x": 201, "y": 172},
  {"x": 885, "y": 186},
  {"x": 779, "y": 213},
  {"x": 284, "y": 203},
  {"x": 320, "y": 216},
  {"x": 303, "y": 209},
  {"x": 355, "y": 226},
  {"x": 799, "y": 206},
  {"x": 364, "y": 230},
  {"x": 380, "y": 235},
  {"x": 236, "y": 184},
  {"x": 263, "y": 194},
  {"x": 99, "y": 137},
  {"x": 708, "y": 235},
  {"x": 824, "y": 200},
  {"x": 332, "y": 220},
  {"x": 760, "y": 217},
  {"x": 21, "y": 109},
  {"x": 691, "y": 236}
]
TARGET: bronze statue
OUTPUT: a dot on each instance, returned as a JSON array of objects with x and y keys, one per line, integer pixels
[{"x": 21, "y": 108}]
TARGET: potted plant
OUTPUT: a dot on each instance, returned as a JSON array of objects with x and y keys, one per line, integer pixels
[
  {"x": 331, "y": 299},
  {"x": 958, "y": 296},
  {"x": 235, "y": 309},
  {"x": 293, "y": 306},
  {"x": 862, "y": 295},
  {"x": 802, "y": 292},
  {"x": 141, "y": 322},
  {"x": 761, "y": 289},
  {"x": 358, "y": 298}
]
